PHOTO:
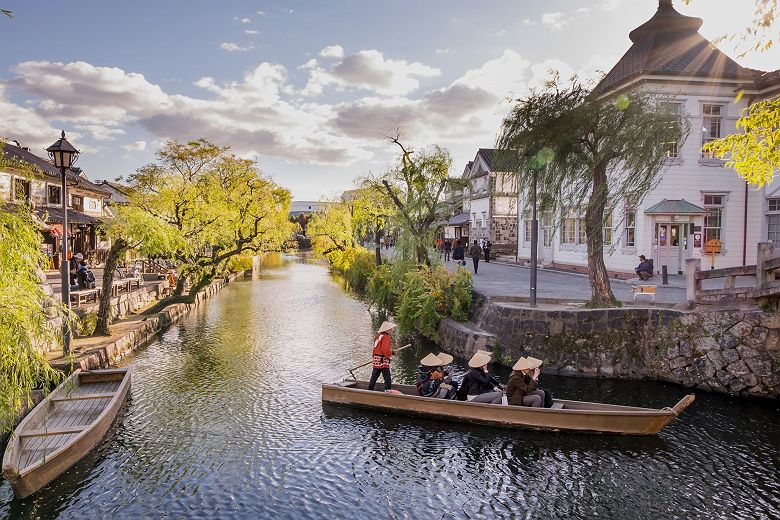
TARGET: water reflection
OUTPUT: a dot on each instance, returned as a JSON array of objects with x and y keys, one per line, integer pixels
[{"x": 226, "y": 421}]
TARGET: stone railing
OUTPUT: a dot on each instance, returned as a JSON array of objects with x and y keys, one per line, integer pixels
[{"x": 764, "y": 273}]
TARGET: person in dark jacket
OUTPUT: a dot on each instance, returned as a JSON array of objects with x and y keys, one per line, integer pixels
[
  {"x": 478, "y": 385},
  {"x": 475, "y": 251},
  {"x": 486, "y": 249},
  {"x": 73, "y": 267},
  {"x": 447, "y": 249},
  {"x": 458, "y": 254},
  {"x": 522, "y": 388},
  {"x": 433, "y": 380},
  {"x": 645, "y": 268}
]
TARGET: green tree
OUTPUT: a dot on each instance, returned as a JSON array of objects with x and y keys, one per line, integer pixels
[
  {"x": 132, "y": 228},
  {"x": 8, "y": 13},
  {"x": 24, "y": 313},
  {"x": 332, "y": 231},
  {"x": 371, "y": 211},
  {"x": 415, "y": 186},
  {"x": 220, "y": 205},
  {"x": 592, "y": 152}
]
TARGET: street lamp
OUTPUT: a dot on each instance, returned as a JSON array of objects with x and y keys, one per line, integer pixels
[
  {"x": 64, "y": 154},
  {"x": 532, "y": 164}
]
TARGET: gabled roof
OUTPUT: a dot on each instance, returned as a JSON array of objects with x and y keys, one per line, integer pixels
[
  {"x": 459, "y": 219},
  {"x": 670, "y": 44},
  {"x": 53, "y": 214},
  {"x": 675, "y": 207},
  {"x": 119, "y": 193},
  {"x": 499, "y": 160},
  {"x": 48, "y": 169}
]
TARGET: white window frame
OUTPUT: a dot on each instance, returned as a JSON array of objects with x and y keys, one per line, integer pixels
[
  {"x": 773, "y": 210},
  {"x": 629, "y": 224},
  {"x": 672, "y": 149},
  {"x": 608, "y": 234},
  {"x": 711, "y": 206},
  {"x": 707, "y": 119}
]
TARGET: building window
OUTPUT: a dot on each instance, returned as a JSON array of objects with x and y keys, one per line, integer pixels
[
  {"x": 713, "y": 220},
  {"x": 53, "y": 194},
  {"x": 608, "y": 228},
  {"x": 581, "y": 231},
  {"x": 629, "y": 240},
  {"x": 77, "y": 202},
  {"x": 20, "y": 189},
  {"x": 773, "y": 221},
  {"x": 712, "y": 119},
  {"x": 671, "y": 148},
  {"x": 569, "y": 231},
  {"x": 484, "y": 220}
]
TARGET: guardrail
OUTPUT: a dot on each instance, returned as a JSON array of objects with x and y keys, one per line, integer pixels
[{"x": 764, "y": 273}]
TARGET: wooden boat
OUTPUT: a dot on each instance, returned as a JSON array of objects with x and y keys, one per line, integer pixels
[
  {"x": 572, "y": 416},
  {"x": 63, "y": 428}
]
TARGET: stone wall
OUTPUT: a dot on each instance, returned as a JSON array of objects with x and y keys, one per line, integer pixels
[{"x": 733, "y": 352}]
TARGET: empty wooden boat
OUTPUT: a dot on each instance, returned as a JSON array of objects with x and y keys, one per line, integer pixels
[
  {"x": 63, "y": 428},
  {"x": 573, "y": 416}
]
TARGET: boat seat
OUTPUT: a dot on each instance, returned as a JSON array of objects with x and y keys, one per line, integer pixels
[
  {"x": 52, "y": 431},
  {"x": 82, "y": 397},
  {"x": 557, "y": 406}
]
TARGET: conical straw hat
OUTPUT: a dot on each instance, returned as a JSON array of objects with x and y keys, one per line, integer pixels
[
  {"x": 385, "y": 327},
  {"x": 527, "y": 363},
  {"x": 479, "y": 359},
  {"x": 431, "y": 360},
  {"x": 446, "y": 359}
]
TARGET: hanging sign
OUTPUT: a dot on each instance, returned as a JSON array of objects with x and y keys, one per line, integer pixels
[
  {"x": 697, "y": 240},
  {"x": 713, "y": 246}
]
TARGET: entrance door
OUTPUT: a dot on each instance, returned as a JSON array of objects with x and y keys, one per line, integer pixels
[
  {"x": 546, "y": 239},
  {"x": 672, "y": 241}
]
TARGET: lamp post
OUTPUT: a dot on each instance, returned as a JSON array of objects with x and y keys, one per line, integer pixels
[
  {"x": 64, "y": 154},
  {"x": 531, "y": 162}
]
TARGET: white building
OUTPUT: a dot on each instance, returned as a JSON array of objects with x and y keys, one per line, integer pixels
[{"x": 696, "y": 199}]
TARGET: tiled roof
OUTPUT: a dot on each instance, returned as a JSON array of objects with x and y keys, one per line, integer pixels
[
  {"x": 500, "y": 160},
  {"x": 459, "y": 219},
  {"x": 117, "y": 191},
  {"x": 15, "y": 152},
  {"x": 675, "y": 207},
  {"x": 670, "y": 44},
  {"x": 53, "y": 214}
]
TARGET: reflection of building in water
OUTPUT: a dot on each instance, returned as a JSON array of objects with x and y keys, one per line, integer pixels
[
  {"x": 86, "y": 202},
  {"x": 696, "y": 200}
]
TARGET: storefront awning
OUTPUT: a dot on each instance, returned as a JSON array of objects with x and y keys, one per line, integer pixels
[
  {"x": 675, "y": 207},
  {"x": 53, "y": 215},
  {"x": 458, "y": 220}
]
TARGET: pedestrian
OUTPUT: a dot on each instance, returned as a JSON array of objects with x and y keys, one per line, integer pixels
[
  {"x": 459, "y": 254},
  {"x": 645, "y": 268},
  {"x": 73, "y": 267},
  {"x": 488, "y": 246},
  {"x": 381, "y": 356},
  {"x": 447, "y": 250},
  {"x": 476, "y": 252}
]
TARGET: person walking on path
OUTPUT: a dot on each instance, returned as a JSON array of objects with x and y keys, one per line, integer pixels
[
  {"x": 476, "y": 252},
  {"x": 458, "y": 254},
  {"x": 381, "y": 356},
  {"x": 486, "y": 249},
  {"x": 447, "y": 248}
]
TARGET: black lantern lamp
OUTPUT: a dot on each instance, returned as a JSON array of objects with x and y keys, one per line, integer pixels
[{"x": 63, "y": 155}]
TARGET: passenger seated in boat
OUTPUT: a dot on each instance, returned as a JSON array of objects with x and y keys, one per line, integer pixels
[
  {"x": 522, "y": 388},
  {"x": 433, "y": 380},
  {"x": 478, "y": 386}
]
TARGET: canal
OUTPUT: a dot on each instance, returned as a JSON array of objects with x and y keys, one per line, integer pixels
[{"x": 225, "y": 421}]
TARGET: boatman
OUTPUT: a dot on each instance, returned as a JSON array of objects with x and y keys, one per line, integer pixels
[{"x": 381, "y": 355}]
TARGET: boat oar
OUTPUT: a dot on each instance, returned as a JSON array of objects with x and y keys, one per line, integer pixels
[{"x": 366, "y": 364}]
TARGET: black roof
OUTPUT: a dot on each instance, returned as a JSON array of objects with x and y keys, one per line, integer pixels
[
  {"x": 53, "y": 214},
  {"x": 48, "y": 169},
  {"x": 670, "y": 44},
  {"x": 500, "y": 160}
]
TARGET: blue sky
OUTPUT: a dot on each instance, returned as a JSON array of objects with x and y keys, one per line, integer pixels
[{"x": 309, "y": 89}]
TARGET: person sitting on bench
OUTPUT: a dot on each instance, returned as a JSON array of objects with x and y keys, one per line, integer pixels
[{"x": 645, "y": 268}]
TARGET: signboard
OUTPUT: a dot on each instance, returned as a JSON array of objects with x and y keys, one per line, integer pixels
[
  {"x": 713, "y": 246},
  {"x": 697, "y": 240}
]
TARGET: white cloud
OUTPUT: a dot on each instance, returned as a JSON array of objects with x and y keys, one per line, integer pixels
[
  {"x": 246, "y": 20},
  {"x": 260, "y": 13},
  {"x": 444, "y": 51},
  {"x": 138, "y": 146},
  {"x": 554, "y": 20},
  {"x": 234, "y": 47},
  {"x": 332, "y": 51},
  {"x": 251, "y": 31},
  {"x": 369, "y": 70},
  {"x": 528, "y": 22}
]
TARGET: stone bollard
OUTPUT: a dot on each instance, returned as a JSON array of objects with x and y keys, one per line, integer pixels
[{"x": 766, "y": 251}]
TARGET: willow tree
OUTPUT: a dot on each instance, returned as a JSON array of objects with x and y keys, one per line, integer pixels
[
  {"x": 332, "y": 231},
  {"x": 24, "y": 315},
  {"x": 415, "y": 186},
  {"x": 371, "y": 211},
  {"x": 594, "y": 151},
  {"x": 220, "y": 205},
  {"x": 132, "y": 228}
]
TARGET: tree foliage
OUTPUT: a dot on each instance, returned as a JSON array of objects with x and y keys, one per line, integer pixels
[
  {"x": 415, "y": 186},
  {"x": 24, "y": 312},
  {"x": 590, "y": 152},
  {"x": 220, "y": 206},
  {"x": 754, "y": 151}
]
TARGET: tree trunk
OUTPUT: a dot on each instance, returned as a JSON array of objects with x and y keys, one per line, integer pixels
[
  {"x": 180, "y": 281},
  {"x": 378, "y": 247},
  {"x": 601, "y": 291},
  {"x": 104, "y": 309}
]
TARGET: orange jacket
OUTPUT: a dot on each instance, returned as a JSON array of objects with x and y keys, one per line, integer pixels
[{"x": 382, "y": 351}]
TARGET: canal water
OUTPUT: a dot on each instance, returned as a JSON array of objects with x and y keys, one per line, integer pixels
[{"x": 225, "y": 421}]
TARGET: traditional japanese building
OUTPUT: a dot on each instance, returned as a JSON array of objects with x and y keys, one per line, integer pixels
[
  {"x": 43, "y": 191},
  {"x": 696, "y": 199}
]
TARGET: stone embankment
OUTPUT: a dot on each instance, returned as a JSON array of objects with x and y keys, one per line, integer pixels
[
  {"x": 128, "y": 335},
  {"x": 728, "y": 351}
]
